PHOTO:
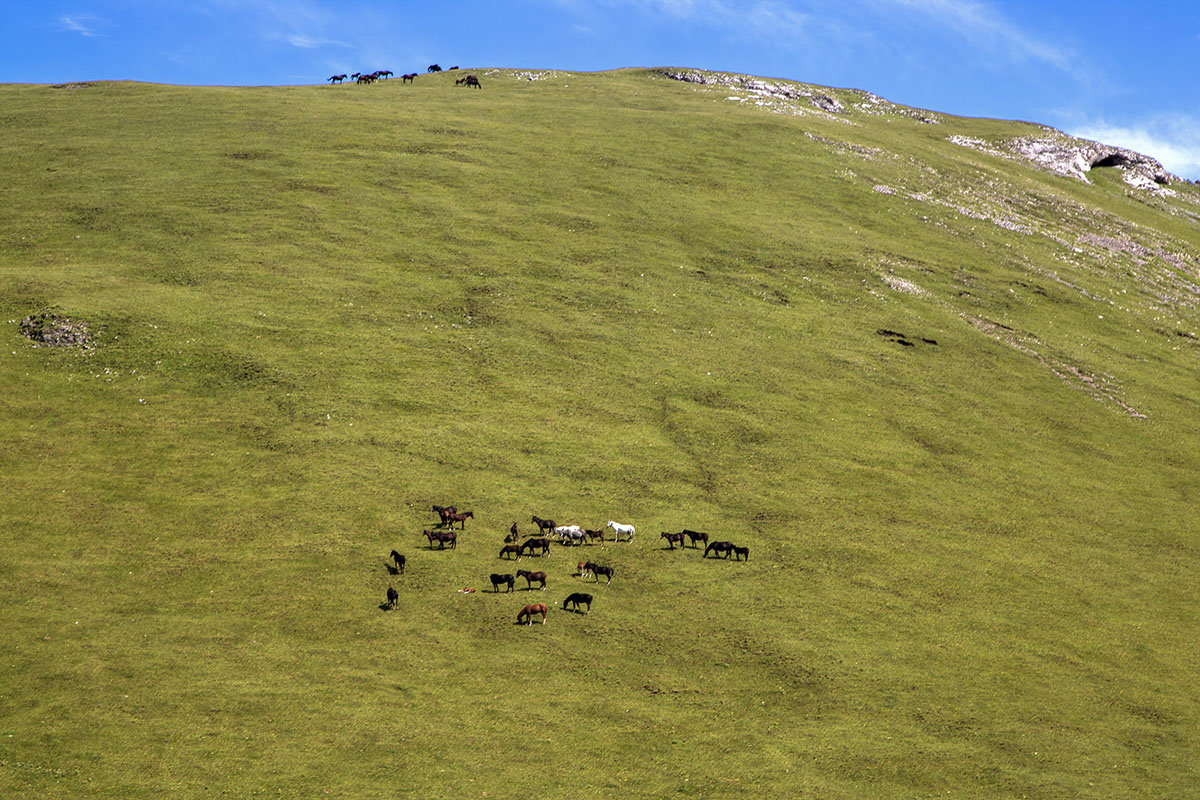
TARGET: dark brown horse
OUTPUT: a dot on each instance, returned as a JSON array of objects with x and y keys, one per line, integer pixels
[
  {"x": 545, "y": 524},
  {"x": 526, "y": 614},
  {"x": 741, "y": 553},
  {"x": 530, "y": 577},
  {"x": 499, "y": 579},
  {"x": 695, "y": 536},
  {"x": 598, "y": 570},
  {"x": 672, "y": 538},
  {"x": 719, "y": 547},
  {"x": 461, "y": 519},
  {"x": 384, "y": 73},
  {"x": 399, "y": 559},
  {"x": 541, "y": 543},
  {"x": 441, "y": 537},
  {"x": 433, "y": 68},
  {"x": 444, "y": 511},
  {"x": 471, "y": 80},
  {"x": 510, "y": 549},
  {"x": 577, "y": 598},
  {"x": 336, "y": 78},
  {"x": 594, "y": 535},
  {"x": 408, "y": 78}
]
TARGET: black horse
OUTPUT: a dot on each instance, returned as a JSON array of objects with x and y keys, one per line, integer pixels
[
  {"x": 719, "y": 547},
  {"x": 471, "y": 80},
  {"x": 577, "y": 598},
  {"x": 392, "y": 597},
  {"x": 499, "y": 579},
  {"x": 530, "y": 577},
  {"x": 399, "y": 559},
  {"x": 695, "y": 536},
  {"x": 741, "y": 553},
  {"x": 433, "y": 68}
]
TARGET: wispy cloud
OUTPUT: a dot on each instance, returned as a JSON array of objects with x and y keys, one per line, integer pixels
[
  {"x": 83, "y": 24},
  {"x": 983, "y": 25},
  {"x": 310, "y": 42},
  {"x": 1172, "y": 139}
]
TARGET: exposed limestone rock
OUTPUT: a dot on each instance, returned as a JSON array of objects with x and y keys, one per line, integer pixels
[
  {"x": 46, "y": 328},
  {"x": 1073, "y": 158},
  {"x": 784, "y": 91}
]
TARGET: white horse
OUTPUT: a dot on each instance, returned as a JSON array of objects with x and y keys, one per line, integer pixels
[
  {"x": 572, "y": 532},
  {"x": 620, "y": 530}
]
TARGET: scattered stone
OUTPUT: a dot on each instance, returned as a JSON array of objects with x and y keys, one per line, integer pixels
[{"x": 48, "y": 329}]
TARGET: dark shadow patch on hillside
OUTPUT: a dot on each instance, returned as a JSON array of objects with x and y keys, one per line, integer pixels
[
  {"x": 227, "y": 369},
  {"x": 903, "y": 339}
]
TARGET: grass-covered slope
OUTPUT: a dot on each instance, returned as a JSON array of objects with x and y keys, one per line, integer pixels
[{"x": 318, "y": 311}]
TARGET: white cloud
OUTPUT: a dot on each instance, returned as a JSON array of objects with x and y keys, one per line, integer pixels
[
  {"x": 1173, "y": 140},
  {"x": 83, "y": 24},
  {"x": 309, "y": 42},
  {"x": 984, "y": 26}
]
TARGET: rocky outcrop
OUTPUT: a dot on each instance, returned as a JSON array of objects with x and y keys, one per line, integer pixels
[
  {"x": 49, "y": 329},
  {"x": 1074, "y": 158},
  {"x": 755, "y": 86}
]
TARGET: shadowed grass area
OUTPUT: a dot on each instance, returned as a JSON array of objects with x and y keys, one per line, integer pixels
[{"x": 948, "y": 401}]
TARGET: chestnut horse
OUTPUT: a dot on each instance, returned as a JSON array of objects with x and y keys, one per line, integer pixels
[
  {"x": 527, "y": 613},
  {"x": 530, "y": 577}
]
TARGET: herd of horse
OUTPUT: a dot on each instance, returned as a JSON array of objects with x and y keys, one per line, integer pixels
[
  {"x": 361, "y": 78},
  {"x": 568, "y": 535}
]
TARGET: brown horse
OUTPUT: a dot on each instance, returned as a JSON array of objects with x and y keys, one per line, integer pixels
[
  {"x": 399, "y": 559},
  {"x": 530, "y": 577},
  {"x": 696, "y": 536},
  {"x": 593, "y": 535},
  {"x": 441, "y": 537},
  {"x": 545, "y": 524},
  {"x": 471, "y": 80},
  {"x": 499, "y": 579},
  {"x": 461, "y": 519},
  {"x": 510, "y": 549},
  {"x": 598, "y": 570},
  {"x": 719, "y": 547},
  {"x": 534, "y": 544},
  {"x": 408, "y": 78},
  {"x": 527, "y": 613},
  {"x": 672, "y": 538}
]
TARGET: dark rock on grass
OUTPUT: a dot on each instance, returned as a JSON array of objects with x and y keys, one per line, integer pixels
[{"x": 48, "y": 328}]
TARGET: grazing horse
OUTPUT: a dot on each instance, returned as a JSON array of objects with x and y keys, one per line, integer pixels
[
  {"x": 460, "y": 518},
  {"x": 499, "y": 579},
  {"x": 408, "y": 77},
  {"x": 719, "y": 547},
  {"x": 598, "y": 570},
  {"x": 696, "y": 536},
  {"x": 433, "y": 68},
  {"x": 672, "y": 538},
  {"x": 471, "y": 80},
  {"x": 399, "y": 559},
  {"x": 741, "y": 553},
  {"x": 534, "y": 544},
  {"x": 595, "y": 535},
  {"x": 530, "y": 577},
  {"x": 442, "y": 537},
  {"x": 577, "y": 598},
  {"x": 392, "y": 597},
  {"x": 544, "y": 524},
  {"x": 620, "y": 530},
  {"x": 445, "y": 511},
  {"x": 573, "y": 533},
  {"x": 336, "y": 78},
  {"x": 527, "y": 613},
  {"x": 510, "y": 549}
]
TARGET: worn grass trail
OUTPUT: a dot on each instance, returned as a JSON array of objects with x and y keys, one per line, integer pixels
[{"x": 587, "y": 297}]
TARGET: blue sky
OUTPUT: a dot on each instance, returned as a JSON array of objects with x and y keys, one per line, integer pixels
[{"x": 1124, "y": 73}]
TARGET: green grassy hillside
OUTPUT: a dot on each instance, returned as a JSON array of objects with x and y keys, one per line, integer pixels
[{"x": 947, "y": 398}]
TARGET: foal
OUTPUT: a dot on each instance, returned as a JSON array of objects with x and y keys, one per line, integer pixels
[{"x": 741, "y": 553}]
